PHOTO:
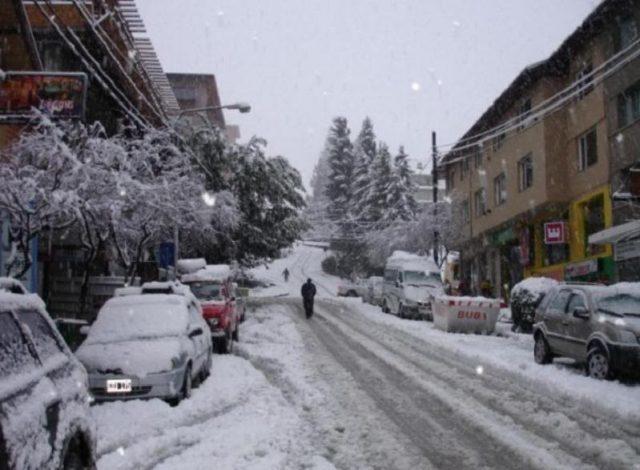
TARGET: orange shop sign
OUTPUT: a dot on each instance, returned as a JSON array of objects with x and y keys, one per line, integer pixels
[{"x": 59, "y": 95}]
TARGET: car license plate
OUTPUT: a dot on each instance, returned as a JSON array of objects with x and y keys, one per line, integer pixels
[{"x": 119, "y": 386}]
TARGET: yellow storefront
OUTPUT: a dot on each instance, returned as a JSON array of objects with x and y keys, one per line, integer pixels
[{"x": 575, "y": 260}]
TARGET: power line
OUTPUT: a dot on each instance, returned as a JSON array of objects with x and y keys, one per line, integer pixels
[
  {"x": 96, "y": 71},
  {"x": 551, "y": 104}
]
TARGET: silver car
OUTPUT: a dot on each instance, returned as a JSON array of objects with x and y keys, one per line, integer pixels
[
  {"x": 147, "y": 346},
  {"x": 595, "y": 325}
]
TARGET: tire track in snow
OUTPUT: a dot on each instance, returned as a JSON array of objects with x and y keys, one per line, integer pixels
[
  {"x": 610, "y": 442},
  {"x": 480, "y": 437}
]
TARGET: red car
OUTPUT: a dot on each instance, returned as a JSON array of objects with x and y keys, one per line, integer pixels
[{"x": 218, "y": 306}]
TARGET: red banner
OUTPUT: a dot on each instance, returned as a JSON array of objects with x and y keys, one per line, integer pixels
[{"x": 59, "y": 95}]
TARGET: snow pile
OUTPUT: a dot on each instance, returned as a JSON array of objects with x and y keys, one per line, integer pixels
[
  {"x": 412, "y": 261},
  {"x": 235, "y": 419},
  {"x": 534, "y": 285},
  {"x": 11, "y": 301},
  {"x": 190, "y": 265},
  {"x": 10, "y": 284}
]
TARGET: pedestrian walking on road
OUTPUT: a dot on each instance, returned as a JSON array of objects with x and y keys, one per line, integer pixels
[
  {"x": 285, "y": 273},
  {"x": 308, "y": 292}
]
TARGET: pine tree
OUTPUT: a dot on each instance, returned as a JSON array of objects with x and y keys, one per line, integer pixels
[
  {"x": 400, "y": 200},
  {"x": 364, "y": 154},
  {"x": 377, "y": 193},
  {"x": 339, "y": 189}
]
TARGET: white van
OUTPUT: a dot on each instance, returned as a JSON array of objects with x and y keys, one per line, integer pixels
[{"x": 410, "y": 283}]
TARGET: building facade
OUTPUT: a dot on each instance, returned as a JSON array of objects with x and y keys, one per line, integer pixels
[{"x": 534, "y": 173}]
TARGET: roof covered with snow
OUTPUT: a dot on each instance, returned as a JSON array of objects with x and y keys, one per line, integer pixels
[
  {"x": 211, "y": 272},
  {"x": 412, "y": 261}
]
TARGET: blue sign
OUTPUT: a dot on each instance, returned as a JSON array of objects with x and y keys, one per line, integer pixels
[{"x": 167, "y": 255}]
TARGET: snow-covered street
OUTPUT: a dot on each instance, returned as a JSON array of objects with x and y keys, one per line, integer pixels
[{"x": 354, "y": 388}]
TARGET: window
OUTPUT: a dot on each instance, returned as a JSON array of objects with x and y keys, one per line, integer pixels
[
  {"x": 500, "y": 189},
  {"x": 593, "y": 216},
  {"x": 498, "y": 141},
  {"x": 559, "y": 302},
  {"x": 477, "y": 156},
  {"x": 451, "y": 173},
  {"x": 524, "y": 113},
  {"x": 587, "y": 150},
  {"x": 15, "y": 356},
  {"x": 525, "y": 172},
  {"x": 465, "y": 211},
  {"x": 480, "y": 202},
  {"x": 464, "y": 168},
  {"x": 629, "y": 105},
  {"x": 584, "y": 80},
  {"x": 625, "y": 33},
  {"x": 576, "y": 301},
  {"x": 44, "y": 338}
]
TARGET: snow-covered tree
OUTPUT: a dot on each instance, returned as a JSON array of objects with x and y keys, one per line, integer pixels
[
  {"x": 401, "y": 204},
  {"x": 35, "y": 195},
  {"x": 377, "y": 194},
  {"x": 364, "y": 154},
  {"x": 339, "y": 190}
]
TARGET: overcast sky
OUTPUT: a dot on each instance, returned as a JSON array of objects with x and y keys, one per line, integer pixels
[{"x": 411, "y": 65}]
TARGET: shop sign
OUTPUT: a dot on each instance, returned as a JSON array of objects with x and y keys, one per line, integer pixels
[
  {"x": 555, "y": 232},
  {"x": 59, "y": 95},
  {"x": 583, "y": 268},
  {"x": 626, "y": 250}
]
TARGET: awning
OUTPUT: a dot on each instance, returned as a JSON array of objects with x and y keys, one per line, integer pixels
[{"x": 616, "y": 234}]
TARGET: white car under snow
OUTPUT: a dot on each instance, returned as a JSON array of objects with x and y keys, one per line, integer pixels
[{"x": 147, "y": 346}]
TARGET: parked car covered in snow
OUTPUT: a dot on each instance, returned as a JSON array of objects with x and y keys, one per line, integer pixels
[
  {"x": 44, "y": 398},
  {"x": 347, "y": 288},
  {"x": 593, "y": 324},
  {"x": 146, "y": 346},
  {"x": 410, "y": 284},
  {"x": 525, "y": 298},
  {"x": 373, "y": 293},
  {"x": 212, "y": 286}
]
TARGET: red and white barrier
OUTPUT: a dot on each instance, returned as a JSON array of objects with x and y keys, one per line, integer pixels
[{"x": 465, "y": 314}]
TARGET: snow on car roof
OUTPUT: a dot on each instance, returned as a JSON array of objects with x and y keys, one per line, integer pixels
[
  {"x": 140, "y": 316},
  {"x": 212, "y": 272},
  {"x": 412, "y": 261},
  {"x": 11, "y": 301},
  {"x": 190, "y": 265},
  {"x": 9, "y": 283},
  {"x": 535, "y": 285}
]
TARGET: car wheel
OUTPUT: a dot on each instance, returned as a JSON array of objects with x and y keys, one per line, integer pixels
[
  {"x": 352, "y": 293},
  {"x": 187, "y": 384},
  {"x": 598, "y": 365},
  {"x": 236, "y": 333},
  {"x": 401, "y": 311},
  {"x": 73, "y": 458},
  {"x": 385, "y": 307},
  {"x": 225, "y": 345},
  {"x": 541, "y": 351},
  {"x": 206, "y": 368}
]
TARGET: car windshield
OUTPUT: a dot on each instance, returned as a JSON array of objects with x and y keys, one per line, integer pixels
[
  {"x": 139, "y": 320},
  {"x": 620, "y": 304},
  {"x": 204, "y": 290},
  {"x": 421, "y": 278}
]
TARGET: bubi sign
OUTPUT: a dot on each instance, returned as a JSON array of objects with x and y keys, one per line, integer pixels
[
  {"x": 59, "y": 95},
  {"x": 555, "y": 233}
]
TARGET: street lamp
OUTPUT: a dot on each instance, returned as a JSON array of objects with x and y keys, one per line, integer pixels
[{"x": 240, "y": 106}]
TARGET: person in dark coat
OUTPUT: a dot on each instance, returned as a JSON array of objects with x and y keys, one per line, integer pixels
[{"x": 308, "y": 292}]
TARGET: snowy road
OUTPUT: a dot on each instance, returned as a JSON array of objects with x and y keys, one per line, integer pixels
[{"x": 354, "y": 388}]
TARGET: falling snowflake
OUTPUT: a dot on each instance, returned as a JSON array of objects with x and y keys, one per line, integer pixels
[
  {"x": 415, "y": 86},
  {"x": 479, "y": 370}
]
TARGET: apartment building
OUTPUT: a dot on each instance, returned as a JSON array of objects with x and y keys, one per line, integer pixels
[{"x": 534, "y": 190}]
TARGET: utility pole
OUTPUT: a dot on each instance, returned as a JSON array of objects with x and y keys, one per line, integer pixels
[{"x": 434, "y": 183}]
